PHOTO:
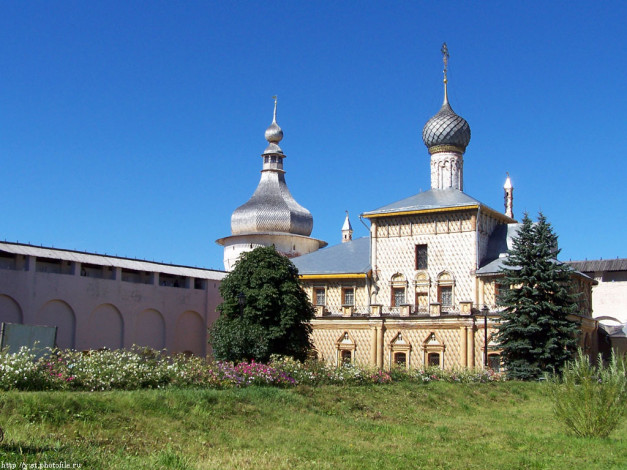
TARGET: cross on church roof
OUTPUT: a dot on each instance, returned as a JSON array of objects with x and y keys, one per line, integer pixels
[{"x": 445, "y": 56}]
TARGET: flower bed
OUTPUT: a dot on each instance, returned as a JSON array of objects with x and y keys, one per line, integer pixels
[{"x": 146, "y": 368}]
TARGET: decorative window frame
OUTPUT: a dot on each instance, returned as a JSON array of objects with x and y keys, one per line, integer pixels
[
  {"x": 343, "y": 298},
  {"x": 422, "y": 285},
  {"x": 495, "y": 354},
  {"x": 400, "y": 345},
  {"x": 398, "y": 281},
  {"x": 345, "y": 343},
  {"x": 446, "y": 279},
  {"x": 432, "y": 344},
  {"x": 314, "y": 295},
  {"x": 494, "y": 349}
]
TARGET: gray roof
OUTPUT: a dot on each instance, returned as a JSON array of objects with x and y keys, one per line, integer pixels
[
  {"x": 431, "y": 199},
  {"x": 618, "y": 331},
  {"x": 618, "y": 264},
  {"x": 499, "y": 244},
  {"x": 348, "y": 257},
  {"x": 114, "y": 261}
]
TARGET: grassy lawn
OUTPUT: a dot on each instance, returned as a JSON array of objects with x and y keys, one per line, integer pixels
[{"x": 436, "y": 425}]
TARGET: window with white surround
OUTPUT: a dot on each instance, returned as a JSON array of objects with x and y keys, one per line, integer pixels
[
  {"x": 421, "y": 257},
  {"x": 445, "y": 294},
  {"x": 398, "y": 286},
  {"x": 398, "y": 296},
  {"x": 348, "y": 296},
  {"x": 446, "y": 291},
  {"x": 320, "y": 297}
]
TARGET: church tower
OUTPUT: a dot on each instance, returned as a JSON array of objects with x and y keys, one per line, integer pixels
[
  {"x": 446, "y": 135},
  {"x": 271, "y": 216}
]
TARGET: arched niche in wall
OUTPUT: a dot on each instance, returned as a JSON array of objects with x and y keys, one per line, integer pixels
[
  {"x": 150, "y": 329},
  {"x": 422, "y": 283},
  {"x": 106, "y": 328},
  {"x": 10, "y": 311},
  {"x": 60, "y": 314},
  {"x": 190, "y": 334}
]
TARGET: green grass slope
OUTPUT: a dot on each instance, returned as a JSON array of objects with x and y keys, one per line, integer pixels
[{"x": 436, "y": 425}]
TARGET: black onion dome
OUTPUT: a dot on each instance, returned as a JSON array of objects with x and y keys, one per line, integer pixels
[{"x": 446, "y": 128}]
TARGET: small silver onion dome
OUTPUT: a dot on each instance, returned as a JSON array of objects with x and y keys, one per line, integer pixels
[
  {"x": 446, "y": 128},
  {"x": 274, "y": 133}
]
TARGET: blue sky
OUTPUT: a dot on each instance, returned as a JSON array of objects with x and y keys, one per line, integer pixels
[{"x": 136, "y": 128}]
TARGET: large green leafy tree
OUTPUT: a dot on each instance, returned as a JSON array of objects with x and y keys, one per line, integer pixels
[
  {"x": 535, "y": 334},
  {"x": 264, "y": 310}
]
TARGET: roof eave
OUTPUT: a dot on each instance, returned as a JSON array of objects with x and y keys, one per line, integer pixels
[
  {"x": 409, "y": 211},
  {"x": 393, "y": 213},
  {"x": 335, "y": 276}
]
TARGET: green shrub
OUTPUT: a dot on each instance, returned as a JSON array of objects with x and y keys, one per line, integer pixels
[{"x": 590, "y": 400}]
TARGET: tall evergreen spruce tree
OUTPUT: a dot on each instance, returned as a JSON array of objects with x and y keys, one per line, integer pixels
[
  {"x": 264, "y": 310},
  {"x": 534, "y": 334}
]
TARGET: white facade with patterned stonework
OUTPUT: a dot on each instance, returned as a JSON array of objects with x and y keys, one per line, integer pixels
[
  {"x": 452, "y": 239},
  {"x": 335, "y": 296}
]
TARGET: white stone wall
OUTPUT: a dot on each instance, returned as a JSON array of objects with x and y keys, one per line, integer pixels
[
  {"x": 609, "y": 297},
  {"x": 286, "y": 244},
  {"x": 92, "y": 313},
  {"x": 451, "y": 242},
  {"x": 447, "y": 171}
]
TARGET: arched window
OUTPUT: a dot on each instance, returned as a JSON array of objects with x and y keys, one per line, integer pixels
[
  {"x": 400, "y": 351},
  {"x": 400, "y": 359},
  {"x": 345, "y": 349},
  {"x": 494, "y": 362},
  {"x": 434, "y": 351},
  {"x": 446, "y": 291},
  {"x": 398, "y": 287},
  {"x": 346, "y": 357},
  {"x": 433, "y": 359}
]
